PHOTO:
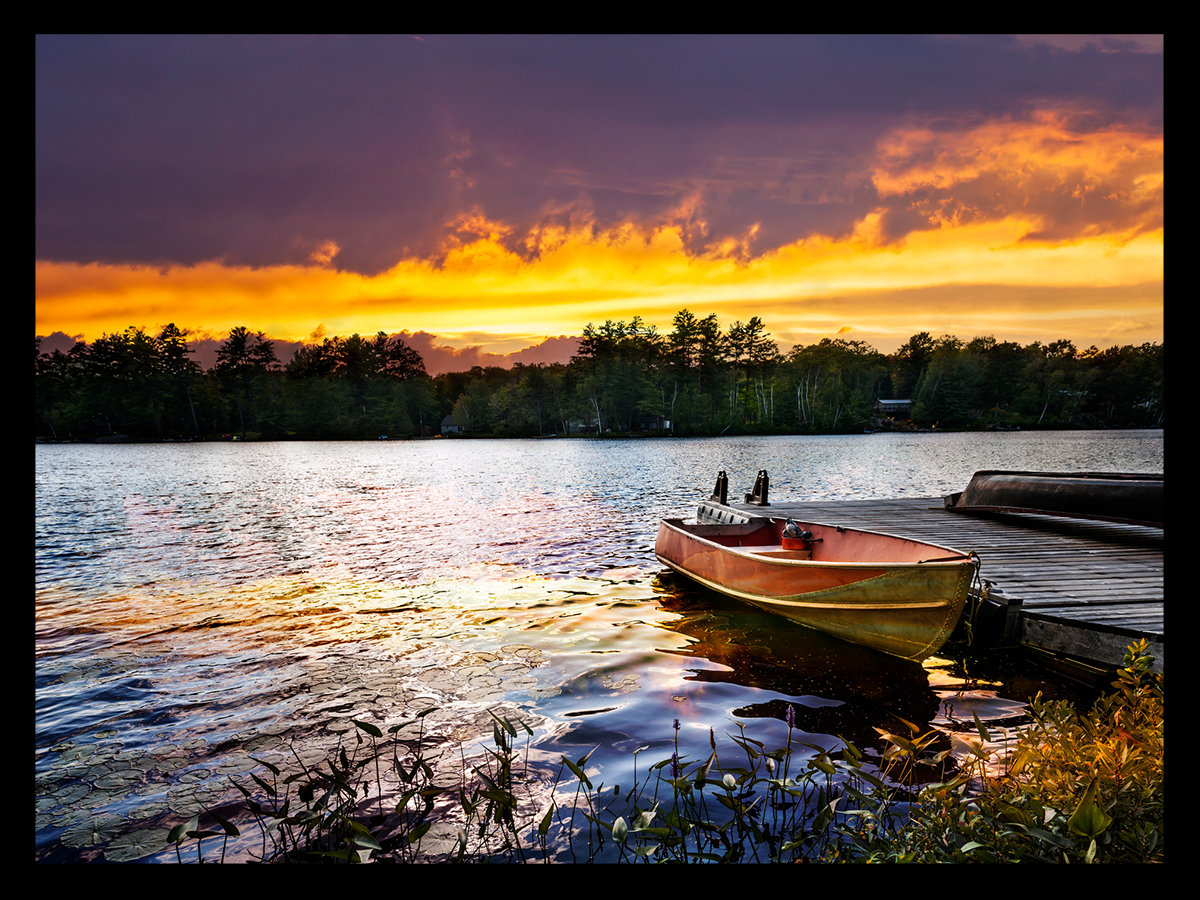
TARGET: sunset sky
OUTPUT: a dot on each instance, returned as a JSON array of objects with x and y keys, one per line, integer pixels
[{"x": 483, "y": 194}]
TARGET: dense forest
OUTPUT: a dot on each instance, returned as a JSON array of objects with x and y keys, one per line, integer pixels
[{"x": 698, "y": 379}]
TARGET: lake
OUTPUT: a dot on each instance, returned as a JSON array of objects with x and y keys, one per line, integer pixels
[{"x": 199, "y": 605}]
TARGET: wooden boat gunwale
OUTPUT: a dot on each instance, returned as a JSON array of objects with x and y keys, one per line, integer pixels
[{"x": 755, "y": 550}]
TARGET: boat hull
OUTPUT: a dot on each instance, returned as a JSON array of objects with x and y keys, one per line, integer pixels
[
  {"x": 895, "y": 595},
  {"x": 1136, "y": 499}
]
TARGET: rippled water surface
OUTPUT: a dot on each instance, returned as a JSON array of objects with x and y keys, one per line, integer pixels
[{"x": 198, "y": 605}]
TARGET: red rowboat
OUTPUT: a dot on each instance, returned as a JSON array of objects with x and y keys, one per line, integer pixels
[{"x": 897, "y": 595}]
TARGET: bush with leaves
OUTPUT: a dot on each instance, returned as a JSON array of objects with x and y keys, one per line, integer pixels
[{"x": 1081, "y": 788}]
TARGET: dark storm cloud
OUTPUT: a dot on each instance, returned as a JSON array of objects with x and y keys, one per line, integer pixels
[{"x": 259, "y": 150}]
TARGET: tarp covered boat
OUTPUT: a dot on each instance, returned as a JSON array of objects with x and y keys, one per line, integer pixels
[
  {"x": 1132, "y": 498},
  {"x": 897, "y": 595}
]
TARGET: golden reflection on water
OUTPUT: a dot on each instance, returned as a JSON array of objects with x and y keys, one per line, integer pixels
[{"x": 216, "y": 674}]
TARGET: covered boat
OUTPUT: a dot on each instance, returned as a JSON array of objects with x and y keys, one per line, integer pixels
[
  {"x": 890, "y": 593},
  {"x": 1133, "y": 498}
]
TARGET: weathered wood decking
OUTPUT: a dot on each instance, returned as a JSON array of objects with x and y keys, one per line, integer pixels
[{"x": 1076, "y": 588}]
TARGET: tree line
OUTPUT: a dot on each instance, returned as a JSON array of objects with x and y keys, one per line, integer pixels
[{"x": 696, "y": 379}]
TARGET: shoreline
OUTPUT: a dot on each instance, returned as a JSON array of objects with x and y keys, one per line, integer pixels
[{"x": 253, "y": 438}]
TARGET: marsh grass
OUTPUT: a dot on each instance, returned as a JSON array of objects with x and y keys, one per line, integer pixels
[{"x": 1073, "y": 788}]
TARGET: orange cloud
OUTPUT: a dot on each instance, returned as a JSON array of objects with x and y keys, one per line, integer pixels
[
  {"x": 325, "y": 253},
  {"x": 1055, "y": 227},
  {"x": 1070, "y": 182}
]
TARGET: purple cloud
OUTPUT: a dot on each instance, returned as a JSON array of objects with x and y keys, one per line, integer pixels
[{"x": 261, "y": 150}]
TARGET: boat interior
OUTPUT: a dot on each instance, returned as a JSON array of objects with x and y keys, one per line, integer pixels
[
  {"x": 761, "y": 537},
  {"x": 830, "y": 543}
]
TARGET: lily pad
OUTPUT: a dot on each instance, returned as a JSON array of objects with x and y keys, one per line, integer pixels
[
  {"x": 93, "y": 830},
  {"x": 148, "y": 811},
  {"x": 511, "y": 669},
  {"x": 117, "y": 781},
  {"x": 136, "y": 845}
]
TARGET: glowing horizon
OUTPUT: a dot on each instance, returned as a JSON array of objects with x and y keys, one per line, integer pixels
[
  {"x": 1028, "y": 223},
  {"x": 588, "y": 278}
]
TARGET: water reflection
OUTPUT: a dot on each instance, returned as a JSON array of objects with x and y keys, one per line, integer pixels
[
  {"x": 202, "y": 607},
  {"x": 836, "y": 688}
]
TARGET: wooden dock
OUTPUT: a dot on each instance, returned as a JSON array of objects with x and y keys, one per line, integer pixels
[{"x": 1069, "y": 589}]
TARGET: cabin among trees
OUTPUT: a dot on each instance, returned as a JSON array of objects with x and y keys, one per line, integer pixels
[
  {"x": 893, "y": 409},
  {"x": 627, "y": 378}
]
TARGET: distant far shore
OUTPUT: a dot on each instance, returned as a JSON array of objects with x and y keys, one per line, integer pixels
[{"x": 252, "y": 437}]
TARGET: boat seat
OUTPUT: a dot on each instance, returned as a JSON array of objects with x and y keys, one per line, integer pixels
[{"x": 776, "y": 551}]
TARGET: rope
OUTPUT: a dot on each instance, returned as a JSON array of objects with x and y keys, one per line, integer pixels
[{"x": 981, "y": 587}]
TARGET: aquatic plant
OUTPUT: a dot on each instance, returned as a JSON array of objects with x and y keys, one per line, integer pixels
[{"x": 1078, "y": 787}]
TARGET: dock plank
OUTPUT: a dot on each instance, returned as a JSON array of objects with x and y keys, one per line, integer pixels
[{"x": 1080, "y": 587}]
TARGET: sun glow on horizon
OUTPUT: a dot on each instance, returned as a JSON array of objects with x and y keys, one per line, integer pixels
[
  {"x": 1057, "y": 229},
  {"x": 483, "y": 288}
]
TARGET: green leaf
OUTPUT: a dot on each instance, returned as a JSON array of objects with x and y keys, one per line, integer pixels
[
  {"x": 972, "y": 748},
  {"x": 754, "y": 754},
  {"x": 179, "y": 832},
  {"x": 620, "y": 830},
  {"x": 367, "y": 840},
  {"x": 1089, "y": 819},
  {"x": 274, "y": 769},
  {"x": 229, "y": 827},
  {"x": 903, "y": 743},
  {"x": 702, "y": 772},
  {"x": 368, "y": 728},
  {"x": 508, "y": 726},
  {"x": 822, "y": 762},
  {"x": 853, "y": 752},
  {"x": 467, "y": 805},
  {"x": 730, "y": 802},
  {"x": 336, "y": 854},
  {"x": 579, "y": 773},
  {"x": 403, "y": 801},
  {"x": 504, "y": 798},
  {"x": 869, "y": 778},
  {"x": 983, "y": 732},
  {"x": 642, "y": 822},
  {"x": 544, "y": 825},
  {"x": 304, "y": 815}
]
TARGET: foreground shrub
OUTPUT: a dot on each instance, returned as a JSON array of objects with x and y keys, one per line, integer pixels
[{"x": 1080, "y": 788}]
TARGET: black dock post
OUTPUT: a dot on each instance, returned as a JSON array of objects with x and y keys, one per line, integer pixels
[
  {"x": 759, "y": 496},
  {"x": 721, "y": 491}
]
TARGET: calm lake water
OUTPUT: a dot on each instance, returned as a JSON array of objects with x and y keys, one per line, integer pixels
[{"x": 201, "y": 604}]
